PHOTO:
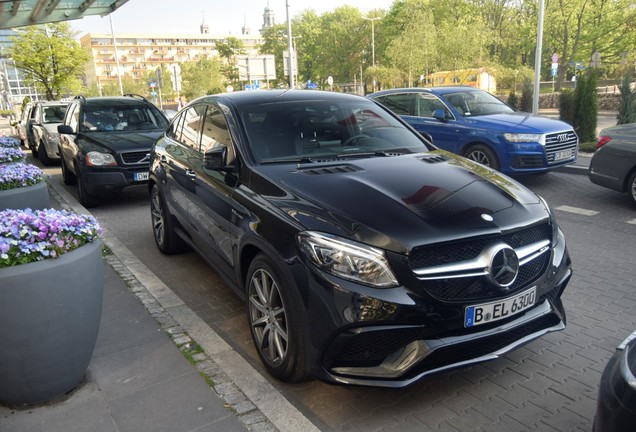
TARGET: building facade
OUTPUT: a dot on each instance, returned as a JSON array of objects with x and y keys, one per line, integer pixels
[
  {"x": 141, "y": 53},
  {"x": 13, "y": 87}
]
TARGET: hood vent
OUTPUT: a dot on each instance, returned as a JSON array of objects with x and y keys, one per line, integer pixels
[
  {"x": 434, "y": 159},
  {"x": 333, "y": 169}
]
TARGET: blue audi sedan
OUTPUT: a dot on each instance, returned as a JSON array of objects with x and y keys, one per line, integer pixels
[{"x": 475, "y": 124}]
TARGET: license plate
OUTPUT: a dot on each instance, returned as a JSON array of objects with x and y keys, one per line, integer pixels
[
  {"x": 562, "y": 154},
  {"x": 489, "y": 312},
  {"x": 140, "y": 176}
]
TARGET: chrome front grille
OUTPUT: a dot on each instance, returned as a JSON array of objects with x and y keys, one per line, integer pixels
[
  {"x": 457, "y": 271},
  {"x": 560, "y": 143},
  {"x": 135, "y": 158}
]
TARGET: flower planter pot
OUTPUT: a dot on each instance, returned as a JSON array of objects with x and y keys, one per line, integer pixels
[
  {"x": 50, "y": 313},
  {"x": 35, "y": 197}
]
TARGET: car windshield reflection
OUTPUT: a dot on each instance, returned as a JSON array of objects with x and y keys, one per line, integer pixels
[
  {"x": 477, "y": 103},
  {"x": 307, "y": 131}
]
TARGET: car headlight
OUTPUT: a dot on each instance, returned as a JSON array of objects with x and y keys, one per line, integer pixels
[
  {"x": 347, "y": 259},
  {"x": 99, "y": 159},
  {"x": 553, "y": 222},
  {"x": 522, "y": 137},
  {"x": 52, "y": 136}
]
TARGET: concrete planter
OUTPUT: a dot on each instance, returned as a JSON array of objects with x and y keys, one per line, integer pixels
[
  {"x": 35, "y": 197},
  {"x": 50, "y": 313}
]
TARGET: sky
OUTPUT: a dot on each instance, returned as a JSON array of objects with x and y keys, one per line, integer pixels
[{"x": 223, "y": 17}]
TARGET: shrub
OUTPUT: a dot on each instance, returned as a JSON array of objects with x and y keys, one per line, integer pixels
[
  {"x": 567, "y": 109},
  {"x": 586, "y": 106},
  {"x": 513, "y": 100},
  {"x": 627, "y": 107},
  {"x": 525, "y": 104}
]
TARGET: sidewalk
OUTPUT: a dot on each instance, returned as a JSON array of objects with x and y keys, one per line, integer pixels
[{"x": 139, "y": 378}]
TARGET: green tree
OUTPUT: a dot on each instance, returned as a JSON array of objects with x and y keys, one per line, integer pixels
[
  {"x": 228, "y": 50},
  {"x": 413, "y": 50},
  {"x": 49, "y": 56},
  {"x": 202, "y": 78}
]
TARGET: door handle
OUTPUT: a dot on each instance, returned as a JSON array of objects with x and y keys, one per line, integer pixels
[{"x": 190, "y": 173}]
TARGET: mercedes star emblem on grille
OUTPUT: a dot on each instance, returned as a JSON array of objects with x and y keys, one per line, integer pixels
[{"x": 504, "y": 266}]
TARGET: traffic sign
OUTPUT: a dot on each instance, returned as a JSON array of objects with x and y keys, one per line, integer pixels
[{"x": 555, "y": 58}]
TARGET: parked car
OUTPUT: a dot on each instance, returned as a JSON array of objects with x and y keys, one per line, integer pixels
[
  {"x": 616, "y": 402},
  {"x": 105, "y": 143},
  {"x": 365, "y": 255},
  {"x": 23, "y": 124},
  {"x": 475, "y": 124},
  {"x": 614, "y": 162},
  {"x": 45, "y": 143}
]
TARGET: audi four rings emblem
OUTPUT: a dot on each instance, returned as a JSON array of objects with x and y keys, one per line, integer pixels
[
  {"x": 562, "y": 137},
  {"x": 504, "y": 266}
]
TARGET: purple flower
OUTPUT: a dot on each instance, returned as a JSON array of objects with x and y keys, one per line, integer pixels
[
  {"x": 6, "y": 141},
  {"x": 20, "y": 175},
  {"x": 11, "y": 154},
  {"x": 28, "y": 236}
]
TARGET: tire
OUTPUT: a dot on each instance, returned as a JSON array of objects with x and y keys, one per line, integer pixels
[
  {"x": 163, "y": 231},
  {"x": 86, "y": 199},
  {"x": 631, "y": 187},
  {"x": 68, "y": 176},
  {"x": 483, "y": 155},
  {"x": 34, "y": 150},
  {"x": 274, "y": 314},
  {"x": 43, "y": 155}
]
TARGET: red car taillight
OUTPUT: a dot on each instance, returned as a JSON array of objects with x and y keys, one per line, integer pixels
[{"x": 602, "y": 140}]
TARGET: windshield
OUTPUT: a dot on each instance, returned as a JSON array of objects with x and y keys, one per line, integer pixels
[
  {"x": 306, "y": 131},
  {"x": 128, "y": 117},
  {"x": 53, "y": 113},
  {"x": 471, "y": 103}
]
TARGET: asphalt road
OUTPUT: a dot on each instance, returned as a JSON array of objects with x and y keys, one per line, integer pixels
[{"x": 548, "y": 385}]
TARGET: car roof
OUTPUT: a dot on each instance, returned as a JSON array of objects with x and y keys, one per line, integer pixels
[
  {"x": 52, "y": 103},
  {"x": 439, "y": 90},
  {"x": 243, "y": 98}
]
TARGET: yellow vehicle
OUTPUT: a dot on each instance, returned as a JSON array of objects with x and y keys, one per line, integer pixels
[{"x": 478, "y": 78}]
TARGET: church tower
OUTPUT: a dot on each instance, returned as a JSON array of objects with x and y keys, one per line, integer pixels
[{"x": 268, "y": 18}]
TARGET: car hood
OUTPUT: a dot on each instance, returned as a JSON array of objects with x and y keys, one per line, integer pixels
[
  {"x": 51, "y": 127},
  {"x": 519, "y": 122},
  {"x": 399, "y": 202},
  {"x": 123, "y": 141}
]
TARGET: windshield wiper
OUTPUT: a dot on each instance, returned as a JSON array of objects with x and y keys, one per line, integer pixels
[
  {"x": 363, "y": 154},
  {"x": 300, "y": 160}
]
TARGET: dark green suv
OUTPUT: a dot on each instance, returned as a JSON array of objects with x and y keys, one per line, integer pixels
[{"x": 105, "y": 143}]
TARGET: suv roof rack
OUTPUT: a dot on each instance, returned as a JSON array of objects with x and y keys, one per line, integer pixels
[{"x": 136, "y": 96}]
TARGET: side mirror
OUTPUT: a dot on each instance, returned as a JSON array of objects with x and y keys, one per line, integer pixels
[
  {"x": 216, "y": 159},
  {"x": 65, "y": 129},
  {"x": 440, "y": 115}
]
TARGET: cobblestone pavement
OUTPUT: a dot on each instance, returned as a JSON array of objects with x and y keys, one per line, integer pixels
[{"x": 547, "y": 385}]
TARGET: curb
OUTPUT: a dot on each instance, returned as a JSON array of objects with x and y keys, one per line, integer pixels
[{"x": 258, "y": 405}]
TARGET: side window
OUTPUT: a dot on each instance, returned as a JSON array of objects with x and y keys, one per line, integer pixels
[
  {"x": 215, "y": 132},
  {"x": 401, "y": 103},
  {"x": 428, "y": 103},
  {"x": 191, "y": 126},
  {"x": 174, "y": 129}
]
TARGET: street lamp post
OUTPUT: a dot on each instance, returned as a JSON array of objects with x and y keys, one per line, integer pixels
[
  {"x": 112, "y": 33},
  {"x": 372, "y": 38},
  {"x": 289, "y": 47}
]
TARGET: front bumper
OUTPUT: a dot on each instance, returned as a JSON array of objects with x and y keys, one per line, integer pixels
[
  {"x": 393, "y": 337},
  {"x": 111, "y": 179}
]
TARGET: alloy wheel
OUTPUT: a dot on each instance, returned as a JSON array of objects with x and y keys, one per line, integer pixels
[
  {"x": 157, "y": 218},
  {"x": 268, "y": 317}
]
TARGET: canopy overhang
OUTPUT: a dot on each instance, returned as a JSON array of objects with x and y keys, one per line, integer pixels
[{"x": 20, "y": 13}]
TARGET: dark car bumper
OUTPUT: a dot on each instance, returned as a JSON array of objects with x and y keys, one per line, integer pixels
[
  {"x": 393, "y": 337},
  {"x": 100, "y": 181},
  {"x": 616, "y": 405}
]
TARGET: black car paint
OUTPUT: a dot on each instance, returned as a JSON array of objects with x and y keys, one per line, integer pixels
[{"x": 393, "y": 203}]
